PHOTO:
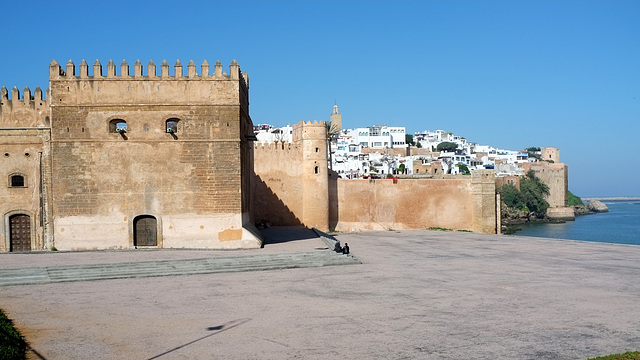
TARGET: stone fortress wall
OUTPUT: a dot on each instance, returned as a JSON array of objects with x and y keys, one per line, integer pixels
[
  {"x": 169, "y": 152},
  {"x": 555, "y": 175},
  {"x": 293, "y": 187},
  {"x": 25, "y": 152},
  {"x": 121, "y": 160},
  {"x": 461, "y": 203},
  {"x": 291, "y": 180}
]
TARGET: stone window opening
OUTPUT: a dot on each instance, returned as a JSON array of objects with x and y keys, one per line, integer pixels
[
  {"x": 117, "y": 126},
  {"x": 17, "y": 180},
  {"x": 171, "y": 126}
]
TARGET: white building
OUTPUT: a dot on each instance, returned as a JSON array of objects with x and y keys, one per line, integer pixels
[
  {"x": 381, "y": 137},
  {"x": 267, "y": 134}
]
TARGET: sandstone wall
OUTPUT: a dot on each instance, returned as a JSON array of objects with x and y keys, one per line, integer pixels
[
  {"x": 277, "y": 187},
  {"x": 190, "y": 180},
  {"x": 23, "y": 113},
  {"x": 291, "y": 180},
  {"x": 555, "y": 175},
  {"x": 512, "y": 180},
  {"x": 24, "y": 152},
  {"x": 550, "y": 154},
  {"x": 459, "y": 204}
]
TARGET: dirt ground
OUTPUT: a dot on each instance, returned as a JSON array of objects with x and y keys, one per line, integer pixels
[{"x": 416, "y": 295}]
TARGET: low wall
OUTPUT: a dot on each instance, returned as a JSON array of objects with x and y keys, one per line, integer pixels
[
  {"x": 465, "y": 203},
  {"x": 116, "y": 231},
  {"x": 561, "y": 213}
]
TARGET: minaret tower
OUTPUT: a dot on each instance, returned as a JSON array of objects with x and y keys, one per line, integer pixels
[{"x": 335, "y": 120}]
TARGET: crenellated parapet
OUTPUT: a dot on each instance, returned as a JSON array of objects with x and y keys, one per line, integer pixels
[
  {"x": 310, "y": 130},
  {"x": 28, "y": 111},
  {"x": 167, "y": 85},
  {"x": 274, "y": 146},
  {"x": 57, "y": 72},
  {"x": 274, "y": 155}
]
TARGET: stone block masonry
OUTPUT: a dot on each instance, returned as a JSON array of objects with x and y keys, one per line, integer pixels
[
  {"x": 116, "y": 159},
  {"x": 143, "y": 160}
]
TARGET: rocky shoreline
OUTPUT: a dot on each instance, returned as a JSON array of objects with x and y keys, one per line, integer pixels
[{"x": 511, "y": 217}]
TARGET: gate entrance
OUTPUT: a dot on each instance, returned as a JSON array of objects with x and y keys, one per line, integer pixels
[
  {"x": 145, "y": 231},
  {"x": 20, "y": 233}
]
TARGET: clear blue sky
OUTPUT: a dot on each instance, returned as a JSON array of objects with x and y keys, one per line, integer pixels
[{"x": 510, "y": 74}]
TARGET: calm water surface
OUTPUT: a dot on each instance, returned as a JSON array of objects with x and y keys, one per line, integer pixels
[{"x": 621, "y": 225}]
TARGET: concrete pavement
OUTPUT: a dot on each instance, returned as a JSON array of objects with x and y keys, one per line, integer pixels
[{"x": 416, "y": 295}]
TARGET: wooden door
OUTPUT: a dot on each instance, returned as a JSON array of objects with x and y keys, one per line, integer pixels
[
  {"x": 20, "y": 230},
  {"x": 145, "y": 230}
]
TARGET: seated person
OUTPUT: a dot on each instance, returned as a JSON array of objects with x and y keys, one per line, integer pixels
[{"x": 337, "y": 248}]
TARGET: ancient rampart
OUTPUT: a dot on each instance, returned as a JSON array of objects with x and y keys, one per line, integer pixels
[
  {"x": 122, "y": 160},
  {"x": 27, "y": 112},
  {"x": 464, "y": 203},
  {"x": 288, "y": 191},
  {"x": 291, "y": 180}
]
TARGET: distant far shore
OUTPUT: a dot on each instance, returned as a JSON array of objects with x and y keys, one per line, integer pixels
[{"x": 612, "y": 198}]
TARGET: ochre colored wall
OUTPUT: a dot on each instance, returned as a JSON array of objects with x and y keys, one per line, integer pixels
[
  {"x": 25, "y": 152},
  {"x": 191, "y": 181},
  {"x": 513, "y": 180},
  {"x": 291, "y": 180},
  {"x": 555, "y": 175},
  {"x": 458, "y": 204},
  {"x": 277, "y": 187}
]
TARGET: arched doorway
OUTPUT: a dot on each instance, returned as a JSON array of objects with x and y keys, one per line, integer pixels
[
  {"x": 19, "y": 232},
  {"x": 145, "y": 230}
]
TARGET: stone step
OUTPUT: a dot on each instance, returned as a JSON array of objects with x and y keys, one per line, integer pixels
[{"x": 90, "y": 272}]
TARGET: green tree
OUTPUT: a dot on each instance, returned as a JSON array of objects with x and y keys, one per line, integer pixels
[
  {"x": 401, "y": 169},
  {"x": 408, "y": 138},
  {"x": 530, "y": 197},
  {"x": 447, "y": 146},
  {"x": 511, "y": 196},
  {"x": 533, "y": 192},
  {"x": 332, "y": 136},
  {"x": 464, "y": 169}
]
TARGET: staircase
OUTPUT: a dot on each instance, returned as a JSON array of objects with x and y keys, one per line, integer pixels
[{"x": 89, "y": 272}]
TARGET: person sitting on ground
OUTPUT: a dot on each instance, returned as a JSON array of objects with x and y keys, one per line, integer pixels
[
  {"x": 337, "y": 248},
  {"x": 345, "y": 249}
]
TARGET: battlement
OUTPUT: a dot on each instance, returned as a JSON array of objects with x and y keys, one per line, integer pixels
[
  {"x": 22, "y": 112},
  {"x": 314, "y": 123},
  {"x": 78, "y": 87},
  {"x": 276, "y": 146},
  {"x": 56, "y": 72},
  {"x": 310, "y": 130}
]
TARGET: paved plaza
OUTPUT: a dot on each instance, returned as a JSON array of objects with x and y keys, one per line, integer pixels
[{"x": 415, "y": 295}]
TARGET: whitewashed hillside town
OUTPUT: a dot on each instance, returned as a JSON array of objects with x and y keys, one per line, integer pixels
[{"x": 381, "y": 151}]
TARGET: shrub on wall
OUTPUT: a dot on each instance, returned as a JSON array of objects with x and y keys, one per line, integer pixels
[
  {"x": 531, "y": 195},
  {"x": 574, "y": 200}
]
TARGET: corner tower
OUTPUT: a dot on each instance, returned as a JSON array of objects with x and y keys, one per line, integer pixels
[{"x": 311, "y": 137}]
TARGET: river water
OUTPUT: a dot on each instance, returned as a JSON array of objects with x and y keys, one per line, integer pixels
[{"x": 621, "y": 225}]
